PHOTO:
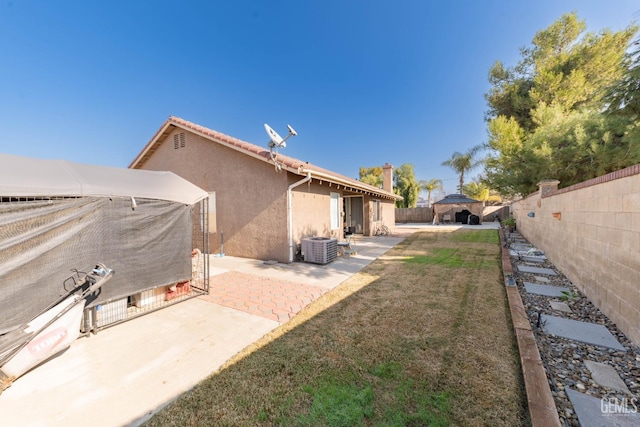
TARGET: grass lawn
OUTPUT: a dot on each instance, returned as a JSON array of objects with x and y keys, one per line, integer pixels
[{"x": 422, "y": 336}]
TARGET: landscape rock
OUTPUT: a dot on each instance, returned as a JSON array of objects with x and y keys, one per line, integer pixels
[{"x": 565, "y": 359}]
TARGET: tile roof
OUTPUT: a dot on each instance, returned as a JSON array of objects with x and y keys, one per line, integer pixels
[{"x": 291, "y": 164}]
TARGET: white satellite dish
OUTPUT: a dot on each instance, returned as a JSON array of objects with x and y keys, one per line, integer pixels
[{"x": 276, "y": 141}]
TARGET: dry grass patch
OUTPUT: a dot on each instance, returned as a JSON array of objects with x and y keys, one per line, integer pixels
[{"x": 420, "y": 337}]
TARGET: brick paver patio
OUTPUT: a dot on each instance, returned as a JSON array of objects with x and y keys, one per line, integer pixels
[{"x": 271, "y": 298}]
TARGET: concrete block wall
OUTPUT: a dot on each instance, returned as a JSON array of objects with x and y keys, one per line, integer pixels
[{"x": 591, "y": 231}]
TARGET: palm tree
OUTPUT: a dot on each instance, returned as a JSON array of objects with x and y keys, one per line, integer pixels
[
  {"x": 462, "y": 163},
  {"x": 480, "y": 191},
  {"x": 477, "y": 191},
  {"x": 430, "y": 186}
]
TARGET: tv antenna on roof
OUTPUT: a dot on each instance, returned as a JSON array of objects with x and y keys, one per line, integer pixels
[{"x": 276, "y": 141}]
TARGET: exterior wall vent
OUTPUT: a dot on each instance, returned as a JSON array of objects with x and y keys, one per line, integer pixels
[
  {"x": 178, "y": 140},
  {"x": 319, "y": 250}
]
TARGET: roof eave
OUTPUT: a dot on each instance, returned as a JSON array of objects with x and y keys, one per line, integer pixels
[{"x": 337, "y": 180}]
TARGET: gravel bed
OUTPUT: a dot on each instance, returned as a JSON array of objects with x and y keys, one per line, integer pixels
[{"x": 564, "y": 358}]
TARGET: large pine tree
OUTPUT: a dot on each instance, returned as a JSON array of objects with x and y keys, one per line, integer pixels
[{"x": 547, "y": 114}]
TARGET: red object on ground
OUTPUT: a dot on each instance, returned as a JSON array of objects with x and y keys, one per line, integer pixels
[{"x": 178, "y": 290}]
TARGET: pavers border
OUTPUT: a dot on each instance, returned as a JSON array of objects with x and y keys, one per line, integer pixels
[{"x": 542, "y": 407}]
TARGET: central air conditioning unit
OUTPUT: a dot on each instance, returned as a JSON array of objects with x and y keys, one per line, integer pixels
[{"x": 319, "y": 250}]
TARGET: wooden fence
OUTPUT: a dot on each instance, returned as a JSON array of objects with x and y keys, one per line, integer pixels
[
  {"x": 415, "y": 215},
  {"x": 404, "y": 215}
]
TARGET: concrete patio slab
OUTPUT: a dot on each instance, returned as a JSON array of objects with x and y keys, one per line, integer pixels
[
  {"x": 537, "y": 270},
  {"x": 586, "y": 332},
  {"x": 326, "y": 276},
  {"x": 126, "y": 372},
  {"x": 446, "y": 227},
  {"x": 595, "y": 412},
  {"x": 606, "y": 376},
  {"x": 546, "y": 290}
]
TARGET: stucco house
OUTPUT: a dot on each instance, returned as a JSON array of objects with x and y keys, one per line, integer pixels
[{"x": 257, "y": 210}]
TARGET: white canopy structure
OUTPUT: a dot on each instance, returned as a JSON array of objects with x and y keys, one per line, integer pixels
[
  {"x": 28, "y": 177},
  {"x": 57, "y": 216}
]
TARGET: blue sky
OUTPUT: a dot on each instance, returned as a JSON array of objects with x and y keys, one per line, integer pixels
[{"x": 362, "y": 82}]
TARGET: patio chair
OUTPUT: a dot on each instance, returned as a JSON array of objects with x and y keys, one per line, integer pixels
[
  {"x": 347, "y": 247},
  {"x": 446, "y": 219}
]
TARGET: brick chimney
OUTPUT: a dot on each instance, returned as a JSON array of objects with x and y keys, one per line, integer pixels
[{"x": 387, "y": 177}]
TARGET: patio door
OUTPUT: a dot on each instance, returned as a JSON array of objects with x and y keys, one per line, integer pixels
[{"x": 354, "y": 210}]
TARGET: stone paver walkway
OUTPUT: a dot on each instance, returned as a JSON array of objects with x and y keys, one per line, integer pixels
[
  {"x": 585, "y": 332},
  {"x": 546, "y": 290},
  {"x": 268, "y": 297},
  {"x": 619, "y": 409},
  {"x": 607, "y": 376},
  {"x": 595, "y": 412},
  {"x": 536, "y": 270}
]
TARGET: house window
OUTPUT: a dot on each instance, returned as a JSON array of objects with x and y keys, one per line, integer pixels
[
  {"x": 178, "y": 140},
  {"x": 335, "y": 210},
  {"x": 377, "y": 214}
]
